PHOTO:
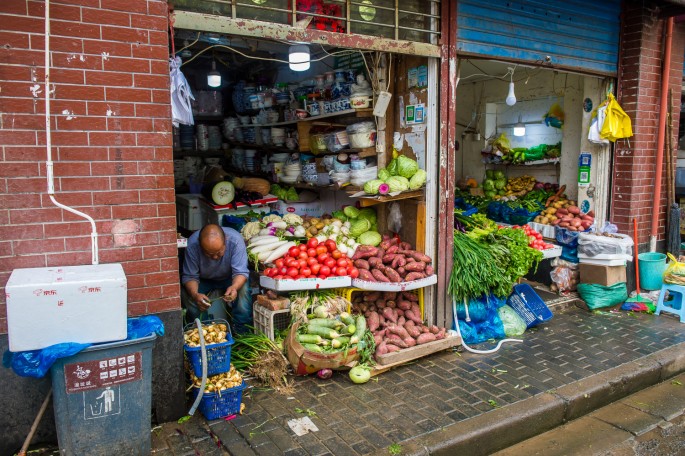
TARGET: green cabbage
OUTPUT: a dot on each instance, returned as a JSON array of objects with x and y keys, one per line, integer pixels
[
  {"x": 383, "y": 174},
  {"x": 392, "y": 167},
  {"x": 371, "y": 187},
  {"x": 340, "y": 215},
  {"x": 359, "y": 226},
  {"x": 488, "y": 185},
  {"x": 370, "y": 238},
  {"x": 397, "y": 184},
  {"x": 499, "y": 174},
  {"x": 500, "y": 184},
  {"x": 369, "y": 214},
  {"x": 417, "y": 180},
  {"x": 291, "y": 194},
  {"x": 351, "y": 212},
  {"x": 406, "y": 167}
]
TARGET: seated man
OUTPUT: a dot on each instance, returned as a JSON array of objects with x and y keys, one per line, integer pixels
[{"x": 216, "y": 264}]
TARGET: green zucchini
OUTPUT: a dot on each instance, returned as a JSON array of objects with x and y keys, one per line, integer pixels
[
  {"x": 309, "y": 339},
  {"x": 361, "y": 327}
]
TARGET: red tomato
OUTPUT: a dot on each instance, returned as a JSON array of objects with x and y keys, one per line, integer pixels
[
  {"x": 311, "y": 252},
  {"x": 283, "y": 270},
  {"x": 321, "y": 249},
  {"x": 330, "y": 245},
  {"x": 303, "y": 255},
  {"x": 300, "y": 276},
  {"x": 293, "y": 272},
  {"x": 321, "y": 276},
  {"x": 294, "y": 251},
  {"x": 312, "y": 262},
  {"x": 278, "y": 277},
  {"x": 340, "y": 271},
  {"x": 354, "y": 273},
  {"x": 315, "y": 268},
  {"x": 306, "y": 272},
  {"x": 342, "y": 262},
  {"x": 325, "y": 271},
  {"x": 280, "y": 263},
  {"x": 302, "y": 264},
  {"x": 267, "y": 272},
  {"x": 336, "y": 253},
  {"x": 292, "y": 263},
  {"x": 312, "y": 243},
  {"x": 322, "y": 258},
  {"x": 302, "y": 247},
  {"x": 330, "y": 262}
]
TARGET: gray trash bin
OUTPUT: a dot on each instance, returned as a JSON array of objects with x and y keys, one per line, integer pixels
[{"x": 102, "y": 399}]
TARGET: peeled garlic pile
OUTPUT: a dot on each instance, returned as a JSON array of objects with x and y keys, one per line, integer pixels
[{"x": 213, "y": 334}]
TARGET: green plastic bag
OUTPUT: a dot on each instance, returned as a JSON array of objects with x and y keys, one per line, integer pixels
[{"x": 600, "y": 296}]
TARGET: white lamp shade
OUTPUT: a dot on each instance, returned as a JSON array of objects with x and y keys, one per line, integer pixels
[
  {"x": 298, "y": 57},
  {"x": 519, "y": 130},
  {"x": 511, "y": 97},
  {"x": 214, "y": 77}
]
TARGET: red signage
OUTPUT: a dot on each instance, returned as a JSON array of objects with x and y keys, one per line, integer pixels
[{"x": 101, "y": 373}]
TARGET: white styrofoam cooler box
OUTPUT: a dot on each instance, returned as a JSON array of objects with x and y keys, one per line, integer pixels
[
  {"x": 188, "y": 214},
  {"x": 315, "y": 209},
  {"x": 47, "y": 306}
]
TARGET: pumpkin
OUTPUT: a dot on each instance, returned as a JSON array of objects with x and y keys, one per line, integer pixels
[{"x": 252, "y": 184}]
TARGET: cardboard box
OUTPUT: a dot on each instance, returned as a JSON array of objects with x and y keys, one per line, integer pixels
[
  {"x": 315, "y": 208},
  {"x": 84, "y": 304},
  {"x": 602, "y": 275}
]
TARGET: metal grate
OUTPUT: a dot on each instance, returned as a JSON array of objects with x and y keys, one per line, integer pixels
[{"x": 413, "y": 20}]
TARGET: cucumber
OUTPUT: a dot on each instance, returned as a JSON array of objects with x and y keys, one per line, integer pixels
[
  {"x": 309, "y": 339},
  {"x": 361, "y": 327},
  {"x": 347, "y": 318},
  {"x": 326, "y": 322},
  {"x": 348, "y": 330}
]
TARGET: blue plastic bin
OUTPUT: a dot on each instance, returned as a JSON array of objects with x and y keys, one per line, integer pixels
[
  {"x": 215, "y": 405},
  {"x": 218, "y": 355},
  {"x": 526, "y": 302},
  {"x": 102, "y": 399}
]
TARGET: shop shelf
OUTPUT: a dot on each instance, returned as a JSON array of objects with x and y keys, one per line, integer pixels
[
  {"x": 398, "y": 286},
  {"x": 304, "y": 284}
]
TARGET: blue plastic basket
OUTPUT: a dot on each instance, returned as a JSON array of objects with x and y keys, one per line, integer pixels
[
  {"x": 526, "y": 302},
  {"x": 218, "y": 355},
  {"x": 219, "y": 405}
]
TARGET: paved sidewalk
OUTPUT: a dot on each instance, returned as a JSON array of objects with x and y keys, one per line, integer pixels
[
  {"x": 650, "y": 422},
  {"x": 451, "y": 402}
]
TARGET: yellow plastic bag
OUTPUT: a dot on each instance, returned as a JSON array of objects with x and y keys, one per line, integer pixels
[
  {"x": 617, "y": 124},
  {"x": 675, "y": 272}
]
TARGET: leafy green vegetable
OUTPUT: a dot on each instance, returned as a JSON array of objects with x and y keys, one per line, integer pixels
[
  {"x": 392, "y": 167},
  {"x": 370, "y": 238},
  {"x": 417, "y": 180},
  {"x": 359, "y": 226},
  {"x": 368, "y": 213},
  {"x": 406, "y": 167},
  {"x": 398, "y": 184},
  {"x": 339, "y": 215},
  {"x": 351, "y": 212},
  {"x": 371, "y": 187},
  {"x": 383, "y": 174}
]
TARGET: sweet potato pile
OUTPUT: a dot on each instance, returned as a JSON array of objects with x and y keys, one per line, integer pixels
[
  {"x": 394, "y": 318},
  {"x": 391, "y": 261}
]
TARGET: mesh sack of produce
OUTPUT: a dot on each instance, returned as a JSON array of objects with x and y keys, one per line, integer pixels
[{"x": 600, "y": 296}]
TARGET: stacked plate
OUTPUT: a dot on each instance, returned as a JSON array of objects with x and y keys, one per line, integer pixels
[
  {"x": 250, "y": 160},
  {"x": 291, "y": 172},
  {"x": 249, "y": 135},
  {"x": 214, "y": 137},
  {"x": 202, "y": 137},
  {"x": 187, "y": 133}
]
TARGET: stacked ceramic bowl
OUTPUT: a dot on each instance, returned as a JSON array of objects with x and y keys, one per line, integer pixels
[
  {"x": 309, "y": 173},
  {"x": 202, "y": 137},
  {"x": 250, "y": 160},
  {"x": 238, "y": 158},
  {"x": 291, "y": 173},
  {"x": 249, "y": 135},
  {"x": 230, "y": 126},
  {"x": 277, "y": 136},
  {"x": 282, "y": 98},
  {"x": 187, "y": 133},
  {"x": 272, "y": 116},
  {"x": 214, "y": 133}
]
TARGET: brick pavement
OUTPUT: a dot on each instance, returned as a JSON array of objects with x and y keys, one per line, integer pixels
[{"x": 422, "y": 399}]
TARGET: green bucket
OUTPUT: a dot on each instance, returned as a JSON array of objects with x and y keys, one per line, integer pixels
[{"x": 652, "y": 267}]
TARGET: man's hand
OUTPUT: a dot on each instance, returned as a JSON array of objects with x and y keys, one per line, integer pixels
[
  {"x": 231, "y": 294},
  {"x": 202, "y": 301}
]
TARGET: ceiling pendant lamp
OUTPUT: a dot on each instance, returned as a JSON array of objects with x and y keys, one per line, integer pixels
[
  {"x": 511, "y": 97},
  {"x": 298, "y": 57},
  {"x": 520, "y": 128},
  {"x": 214, "y": 77}
]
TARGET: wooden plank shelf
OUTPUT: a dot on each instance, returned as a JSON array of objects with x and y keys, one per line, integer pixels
[
  {"x": 371, "y": 200},
  {"x": 387, "y": 362}
]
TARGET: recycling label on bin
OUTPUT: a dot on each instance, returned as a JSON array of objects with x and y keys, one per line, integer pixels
[{"x": 105, "y": 372}]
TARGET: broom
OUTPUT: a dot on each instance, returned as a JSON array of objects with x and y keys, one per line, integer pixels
[
  {"x": 637, "y": 299},
  {"x": 673, "y": 238}
]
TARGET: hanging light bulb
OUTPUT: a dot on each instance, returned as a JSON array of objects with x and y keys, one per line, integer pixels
[
  {"x": 519, "y": 128},
  {"x": 214, "y": 77},
  {"x": 511, "y": 97},
  {"x": 298, "y": 57}
]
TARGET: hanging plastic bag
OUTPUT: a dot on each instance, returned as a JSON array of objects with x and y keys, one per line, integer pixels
[
  {"x": 675, "y": 272},
  {"x": 617, "y": 124},
  {"x": 596, "y": 124},
  {"x": 395, "y": 218},
  {"x": 600, "y": 296},
  {"x": 181, "y": 95},
  {"x": 513, "y": 323}
]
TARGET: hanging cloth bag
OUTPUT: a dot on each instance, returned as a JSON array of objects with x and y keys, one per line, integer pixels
[{"x": 617, "y": 124}]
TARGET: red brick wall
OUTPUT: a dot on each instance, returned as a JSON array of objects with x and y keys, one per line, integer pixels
[
  {"x": 640, "y": 71},
  {"x": 112, "y": 143}
]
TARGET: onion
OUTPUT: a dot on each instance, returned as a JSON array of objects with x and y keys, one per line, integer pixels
[{"x": 324, "y": 374}]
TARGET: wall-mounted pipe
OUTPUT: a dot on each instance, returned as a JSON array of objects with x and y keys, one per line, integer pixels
[
  {"x": 661, "y": 133},
  {"x": 48, "y": 144}
]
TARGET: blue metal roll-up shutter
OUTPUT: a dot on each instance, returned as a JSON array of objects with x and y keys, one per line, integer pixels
[{"x": 576, "y": 34}]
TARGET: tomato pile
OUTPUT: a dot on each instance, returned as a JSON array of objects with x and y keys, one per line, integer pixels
[
  {"x": 535, "y": 239},
  {"x": 313, "y": 259}
]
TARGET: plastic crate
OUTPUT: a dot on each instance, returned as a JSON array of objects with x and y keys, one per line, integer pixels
[
  {"x": 348, "y": 293},
  {"x": 526, "y": 302},
  {"x": 218, "y": 355},
  {"x": 270, "y": 321},
  {"x": 219, "y": 405}
]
